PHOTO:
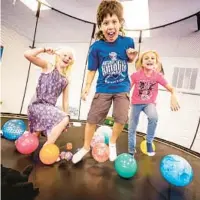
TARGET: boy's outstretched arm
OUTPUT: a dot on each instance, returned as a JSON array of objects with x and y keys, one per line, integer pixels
[
  {"x": 132, "y": 54},
  {"x": 89, "y": 80}
]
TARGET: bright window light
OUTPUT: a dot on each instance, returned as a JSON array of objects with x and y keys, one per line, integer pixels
[
  {"x": 136, "y": 14},
  {"x": 33, "y": 4}
]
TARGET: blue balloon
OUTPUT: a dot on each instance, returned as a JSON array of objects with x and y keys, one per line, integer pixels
[
  {"x": 176, "y": 170},
  {"x": 125, "y": 165},
  {"x": 13, "y": 129}
]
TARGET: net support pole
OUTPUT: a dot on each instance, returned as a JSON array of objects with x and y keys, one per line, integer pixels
[
  {"x": 32, "y": 47},
  {"x": 92, "y": 37},
  {"x": 198, "y": 126},
  {"x": 198, "y": 21},
  {"x": 139, "y": 42}
]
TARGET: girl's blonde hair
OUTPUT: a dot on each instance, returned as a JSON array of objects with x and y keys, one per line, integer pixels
[
  {"x": 138, "y": 64},
  {"x": 109, "y": 7},
  {"x": 66, "y": 50}
]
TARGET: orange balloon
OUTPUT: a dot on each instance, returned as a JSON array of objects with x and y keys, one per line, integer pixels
[
  {"x": 69, "y": 146},
  {"x": 49, "y": 154}
]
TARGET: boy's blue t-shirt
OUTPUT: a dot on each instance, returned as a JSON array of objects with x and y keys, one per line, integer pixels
[{"x": 111, "y": 61}]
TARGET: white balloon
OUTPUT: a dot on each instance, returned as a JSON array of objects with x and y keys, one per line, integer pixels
[{"x": 104, "y": 129}]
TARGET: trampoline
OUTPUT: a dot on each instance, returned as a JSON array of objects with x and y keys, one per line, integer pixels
[{"x": 92, "y": 180}]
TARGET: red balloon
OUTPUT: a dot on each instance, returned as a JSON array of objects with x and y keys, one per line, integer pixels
[
  {"x": 100, "y": 152},
  {"x": 27, "y": 143}
]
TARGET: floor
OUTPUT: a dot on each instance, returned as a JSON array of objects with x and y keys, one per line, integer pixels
[{"x": 90, "y": 180}]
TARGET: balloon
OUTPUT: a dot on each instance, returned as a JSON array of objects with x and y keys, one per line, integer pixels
[
  {"x": 27, "y": 143},
  {"x": 49, "y": 154},
  {"x": 100, "y": 152},
  {"x": 176, "y": 170},
  {"x": 69, "y": 146},
  {"x": 105, "y": 131},
  {"x": 143, "y": 146},
  {"x": 13, "y": 129},
  {"x": 62, "y": 155},
  {"x": 68, "y": 156},
  {"x": 97, "y": 139},
  {"x": 125, "y": 165}
]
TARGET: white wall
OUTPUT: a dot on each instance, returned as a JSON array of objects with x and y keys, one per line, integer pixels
[{"x": 14, "y": 70}]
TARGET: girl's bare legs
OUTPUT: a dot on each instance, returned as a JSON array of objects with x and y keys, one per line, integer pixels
[
  {"x": 37, "y": 133},
  {"x": 56, "y": 131},
  {"x": 89, "y": 132}
]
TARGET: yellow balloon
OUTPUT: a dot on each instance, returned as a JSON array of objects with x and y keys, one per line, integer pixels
[{"x": 143, "y": 146}]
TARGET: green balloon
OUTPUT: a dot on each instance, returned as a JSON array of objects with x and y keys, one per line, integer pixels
[{"x": 126, "y": 165}]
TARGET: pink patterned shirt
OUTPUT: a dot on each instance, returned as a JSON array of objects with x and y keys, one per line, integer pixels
[{"x": 146, "y": 88}]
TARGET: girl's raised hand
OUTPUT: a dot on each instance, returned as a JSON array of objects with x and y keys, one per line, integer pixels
[{"x": 49, "y": 50}]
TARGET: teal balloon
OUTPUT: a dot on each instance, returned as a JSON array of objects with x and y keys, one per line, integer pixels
[
  {"x": 106, "y": 132},
  {"x": 107, "y": 138},
  {"x": 176, "y": 170},
  {"x": 125, "y": 165}
]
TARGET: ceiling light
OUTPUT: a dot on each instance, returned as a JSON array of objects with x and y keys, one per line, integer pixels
[
  {"x": 33, "y": 4},
  {"x": 136, "y": 14}
]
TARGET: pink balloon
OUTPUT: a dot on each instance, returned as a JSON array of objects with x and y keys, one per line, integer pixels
[
  {"x": 100, "y": 152},
  {"x": 27, "y": 143},
  {"x": 97, "y": 139}
]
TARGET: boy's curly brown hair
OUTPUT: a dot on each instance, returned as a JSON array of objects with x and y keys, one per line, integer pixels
[{"x": 109, "y": 7}]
